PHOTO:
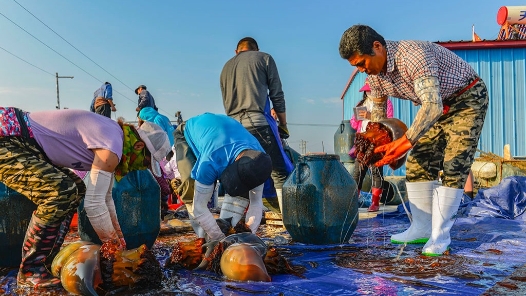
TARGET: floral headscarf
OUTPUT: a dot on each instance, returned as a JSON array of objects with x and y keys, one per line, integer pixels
[{"x": 133, "y": 153}]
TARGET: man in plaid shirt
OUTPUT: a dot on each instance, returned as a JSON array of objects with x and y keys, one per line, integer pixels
[{"x": 444, "y": 133}]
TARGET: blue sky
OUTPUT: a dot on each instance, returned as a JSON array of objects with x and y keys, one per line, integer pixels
[{"x": 178, "y": 48}]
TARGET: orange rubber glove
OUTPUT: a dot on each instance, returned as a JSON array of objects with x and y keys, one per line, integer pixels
[{"x": 393, "y": 151}]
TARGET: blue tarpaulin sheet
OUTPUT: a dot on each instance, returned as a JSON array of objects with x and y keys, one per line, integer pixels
[
  {"x": 490, "y": 248},
  {"x": 488, "y": 244},
  {"x": 506, "y": 200}
]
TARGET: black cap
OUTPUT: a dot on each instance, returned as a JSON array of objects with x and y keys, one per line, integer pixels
[
  {"x": 140, "y": 86},
  {"x": 246, "y": 173}
]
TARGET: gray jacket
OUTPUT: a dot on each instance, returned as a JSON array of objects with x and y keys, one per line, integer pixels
[{"x": 246, "y": 80}]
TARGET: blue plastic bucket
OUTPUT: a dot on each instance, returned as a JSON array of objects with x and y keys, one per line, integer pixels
[
  {"x": 320, "y": 202},
  {"x": 137, "y": 200}
]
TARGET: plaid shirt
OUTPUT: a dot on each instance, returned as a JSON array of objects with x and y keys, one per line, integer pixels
[{"x": 410, "y": 60}]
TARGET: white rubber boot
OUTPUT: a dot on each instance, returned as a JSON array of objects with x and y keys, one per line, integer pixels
[
  {"x": 445, "y": 206},
  {"x": 420, "y": 196},
  {"x": 233, "y": 206},
  {"x": 279, "y": 195},
  {"x": 255, "y": 209}
]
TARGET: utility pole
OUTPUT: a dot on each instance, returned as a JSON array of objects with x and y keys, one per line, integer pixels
[
  {"x": 58, "y": 98},
  {"x": 303, "y": 147}
]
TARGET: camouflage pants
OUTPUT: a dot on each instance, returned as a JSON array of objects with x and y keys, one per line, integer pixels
[
  {"x": 56, "y": 191},
  {"x": 451, "y": 143},
  {"x": 185, "y": 163}
]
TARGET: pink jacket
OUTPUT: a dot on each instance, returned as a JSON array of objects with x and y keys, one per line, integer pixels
[{"x": 357, "y": 124}]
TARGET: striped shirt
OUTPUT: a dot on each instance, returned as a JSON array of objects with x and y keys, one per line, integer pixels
[{"x": 410, "y": 60}]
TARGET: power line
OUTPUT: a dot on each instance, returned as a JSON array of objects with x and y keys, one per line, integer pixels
[
  {"x": 59, "y": 55},
  {"x": 116, "y": 91},
  {"x": 48, "y": 46},
  {"x": 26, "y": 61},
  {"x": 72, "y": 45}
]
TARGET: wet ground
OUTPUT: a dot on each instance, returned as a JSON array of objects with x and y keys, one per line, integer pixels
[
  {"x": 368, "y": 265},
  {"x": 173, "y": 230}
]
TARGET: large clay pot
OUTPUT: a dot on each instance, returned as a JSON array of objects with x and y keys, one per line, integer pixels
[{"x": 320, "y": 201}]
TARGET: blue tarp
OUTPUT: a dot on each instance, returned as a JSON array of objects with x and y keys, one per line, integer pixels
[
  {"x": 487, "y": 246},
  {"x": 506, "y": 200},
  {"x": 490, "y": 248}
]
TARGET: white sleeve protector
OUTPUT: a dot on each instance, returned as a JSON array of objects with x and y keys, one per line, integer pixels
[
  {"x": 97, "y": 211},
  {"x": 111, "y": 209},
  {"x": 255, "y": 208},
  {"x": 199, "y": 211}
]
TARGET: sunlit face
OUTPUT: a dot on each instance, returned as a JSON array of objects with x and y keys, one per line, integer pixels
[{"x": 371, "y": 64}]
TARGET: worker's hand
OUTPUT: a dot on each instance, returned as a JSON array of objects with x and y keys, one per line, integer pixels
[
  {"x": 214, "y": 251},
  {"x": 123, "y": 243},
  {"x": 121, "y": 238},
  {"x": 109, "y": 248},
  {"x": 393, "y": 151},
  {"x": 113, "y": 109},
  {"x": 283, "y": 131},
  {"x": 175, "y": 184}
]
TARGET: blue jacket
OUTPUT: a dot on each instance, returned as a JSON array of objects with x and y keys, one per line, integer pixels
[
  {"x": 146, "y": 100},
  {"x": 105, "y": 91}
]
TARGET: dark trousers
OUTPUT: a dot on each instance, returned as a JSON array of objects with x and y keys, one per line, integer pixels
[
  {"x": 360, "y": 172},
  {"x": 269, "y": 143},
  {"x": 104, "y": 110}
]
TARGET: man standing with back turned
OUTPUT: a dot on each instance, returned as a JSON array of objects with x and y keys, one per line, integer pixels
[
  {"x": 249, "y": 83},
  {"x": 444, "y": 133},
  {"x": 102, "y": 102}
]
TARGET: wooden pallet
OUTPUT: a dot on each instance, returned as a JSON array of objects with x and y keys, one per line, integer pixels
[{"x": 272, "y": 218}]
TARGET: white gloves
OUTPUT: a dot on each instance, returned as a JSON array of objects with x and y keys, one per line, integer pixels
[
  {"x": 234, "y": 207},
  {"x": 199, "y": 211}
]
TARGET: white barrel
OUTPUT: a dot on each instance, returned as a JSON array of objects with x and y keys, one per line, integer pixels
[{"x": 512, "y": 15}]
